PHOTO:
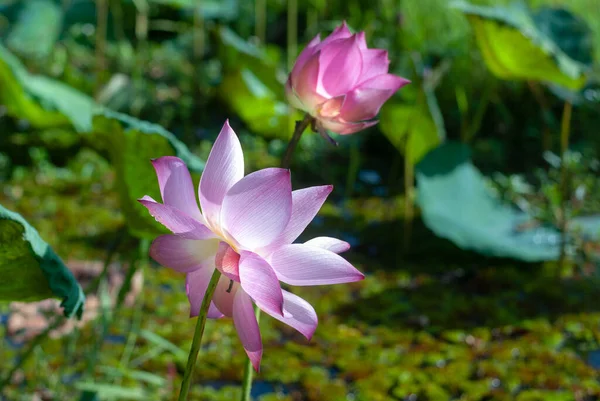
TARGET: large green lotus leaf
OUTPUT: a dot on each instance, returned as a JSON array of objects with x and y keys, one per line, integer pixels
[
  {"x": 410, "y": 129},
  {"x": 514, "y": 48},
  {"x": 40, "y": 100},
  {"x": 30, "y": 269},
  {"x": 37, "y": 28},
  {"x": 456, "y": 204},
  {"x": 131, "y": 145}
]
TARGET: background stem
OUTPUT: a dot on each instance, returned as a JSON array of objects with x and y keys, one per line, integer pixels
[
  {"x": 260, "y": 20},
  {"x": 292, "y": 32},
  {"x": 409, "y": 189},
  {"x": 199, "y": 331},
  {"x": 538, "y": 93},
  {"x": 298, "y": 131},
  {"x": 101, "y": 28},
  {"x": 353, "y": 167},
  {"x": 564, "y": 187}
]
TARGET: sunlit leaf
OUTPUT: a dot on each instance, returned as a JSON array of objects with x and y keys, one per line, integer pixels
[
  {"x": 513, "y": 47},
  {"x": 40, "y": 100},
  {"x": 30, "y": 269},
  {"x": 410, "y": 129},
  {"x": 15, "y": 97}
]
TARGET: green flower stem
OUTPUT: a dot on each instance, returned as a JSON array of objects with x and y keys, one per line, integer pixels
[
  {"x": 199, "y": 331},
  {"x": 353, "y": 167},
  {"x": 101, "y": 29},
  {"x": 298, "y": 131},
  {"x": 285, "y": 163}
]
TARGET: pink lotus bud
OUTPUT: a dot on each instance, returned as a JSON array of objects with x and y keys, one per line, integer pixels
[{"x": 342, "y": 83}]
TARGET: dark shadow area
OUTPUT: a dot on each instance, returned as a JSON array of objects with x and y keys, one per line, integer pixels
[
  {"x": 491, "y": 296},
  {"x": 444, "y": 287}
]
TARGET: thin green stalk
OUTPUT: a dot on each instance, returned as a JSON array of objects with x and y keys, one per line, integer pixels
[
  {"x": 198, "y": 32},
  {"x": 101, "y": 28},
  {"x": 292, "y": 32},
  {"x": 312, "y": 22},
  {"x": 298, "y": 131},
  {"x": 462, "y": 102},
  {"x": 292, "y": 38},
  {"x": 198, "y": 332},
  {"x": 198, "y": 53},
  {"x": 116, "y": 8},
  {"x": 395, "y": 166},
  {"x": 565, "y": 128},
  {"x": 409, "y": 189},
  {"x": 260, "y": 20},
  {"x": 564, "y": 147},
  {"x": 475, "y": 124},
  {"x": 142, "y": 47},
  {"x": 353, "y": 168},
  {"x": 409, "y": 168},
  {"x": 285, "y": 163},
  {"x": 538, "y": 94}
]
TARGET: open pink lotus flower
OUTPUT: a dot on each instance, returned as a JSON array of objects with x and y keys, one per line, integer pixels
[
  {"x": 340, "y": 82},
  {"x": 245, "y": 230}
]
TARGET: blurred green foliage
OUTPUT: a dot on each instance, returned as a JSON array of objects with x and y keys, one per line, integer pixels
[
  {"x": 518, "y": 45},
  {"x": 431, "y": 322}
]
